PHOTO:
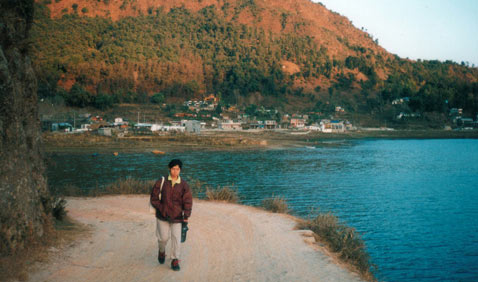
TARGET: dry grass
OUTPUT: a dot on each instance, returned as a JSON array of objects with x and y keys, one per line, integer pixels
[
  {"x": 225, "y": 193},
  {"x": 197, "y": 187},
  {"x": 342, "y": 240},
  {"x": 129, "y": 186},
  {"x": 17, "y": 266},
  {"x": 276, "y": 205},
  {"x": 120, "y": 187}
]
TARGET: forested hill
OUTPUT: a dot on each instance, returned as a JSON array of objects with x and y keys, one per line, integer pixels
[{"x": 291, "y": 53}]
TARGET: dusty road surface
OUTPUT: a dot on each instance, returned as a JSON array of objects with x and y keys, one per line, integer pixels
[{"x": 226, "y": 242}]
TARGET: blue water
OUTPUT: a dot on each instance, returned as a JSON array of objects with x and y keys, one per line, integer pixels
[{"x": 414, "y": 201}]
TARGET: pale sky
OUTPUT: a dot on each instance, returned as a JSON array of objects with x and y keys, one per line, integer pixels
[{"x": 417, "y": 29}]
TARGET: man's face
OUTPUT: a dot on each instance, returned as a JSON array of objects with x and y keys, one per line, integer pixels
[{"x": 174, "y": 171}]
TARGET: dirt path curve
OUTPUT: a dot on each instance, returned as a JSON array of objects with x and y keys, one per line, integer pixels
[{"x": 226, "y": 242}]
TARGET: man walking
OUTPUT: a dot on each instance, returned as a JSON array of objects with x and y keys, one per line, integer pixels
[{"x": 172, "y": 199}]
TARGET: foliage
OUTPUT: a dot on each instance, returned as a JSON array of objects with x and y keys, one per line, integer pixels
[
  {"x": 340, "y": 239},
  {"x": 59, "y": 208},
  {"x": 103, "y": 101},
  {"x": 276, "y": 205},
  {"x": 120, "y": 186},
  {"x": 78, "y": 96},
  {"x": 222, "y": 194},
  {"x": 157, "y": 98},
  {"x": 183, "y": 54},
  {"x": 197, "y": 187}
]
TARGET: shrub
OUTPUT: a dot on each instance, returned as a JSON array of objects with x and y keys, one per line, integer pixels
[
  {"x": 197, "y": 187},
  {"x": 341, "y": 239},
  {"x": 59, "y": 211},
  {"x": 120, "y": 186},
  {"x": 129, "y": 186},
  {"x": 222, "y": 194},
  {"x": 275, "y": 204},
  {"x": 157, "y": 98},
  {"x": 67, "y": 190}
]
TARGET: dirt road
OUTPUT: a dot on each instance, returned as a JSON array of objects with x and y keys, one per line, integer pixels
[{"x": 226, "y": 242}]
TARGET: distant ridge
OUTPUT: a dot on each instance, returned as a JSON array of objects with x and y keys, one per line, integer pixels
[{"x": 292, "y": 53}]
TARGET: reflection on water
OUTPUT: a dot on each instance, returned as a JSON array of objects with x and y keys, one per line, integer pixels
[{"x": 415, "y": 201}]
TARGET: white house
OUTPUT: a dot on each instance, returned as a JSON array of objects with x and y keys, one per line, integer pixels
[
  {"x": 105, "y": 131},
  {"x": 193, "y": 126},
  {"x": 150, "y": 126},
  {"x": 229, "y": 125},
  {"x": 314, "y": 127}
]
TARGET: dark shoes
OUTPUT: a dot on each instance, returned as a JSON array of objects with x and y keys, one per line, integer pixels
[
  {"x": 175, "y": 264},
  {"x": 161, "y": 257}
]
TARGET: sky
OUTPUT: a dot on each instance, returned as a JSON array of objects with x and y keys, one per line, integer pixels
[{"x": 417, "y": 29}]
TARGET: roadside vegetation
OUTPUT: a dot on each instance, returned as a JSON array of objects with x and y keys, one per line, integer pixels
[
  {"x": 342, "y": 240},
  {"x": 121, "y": 186},
  {"x": 275, "y": 205},
  {"x": 63, "y": 232},
  {"x": 227, "y": 194},
  {"x": 337, "y": 237}
]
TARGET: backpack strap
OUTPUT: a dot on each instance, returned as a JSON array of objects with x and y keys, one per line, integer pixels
[{"x": 161, "y": 188}]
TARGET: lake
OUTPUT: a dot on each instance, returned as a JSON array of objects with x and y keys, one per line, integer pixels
[{"x": 414, "y": 201}]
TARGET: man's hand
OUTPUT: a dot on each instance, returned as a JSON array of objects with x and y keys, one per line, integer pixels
[{"x": 185, "y": 220}]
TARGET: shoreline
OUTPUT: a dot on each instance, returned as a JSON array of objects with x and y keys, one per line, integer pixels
[
  {"x": 228, "y": 140},
  {"x": 250, "y": 244}
]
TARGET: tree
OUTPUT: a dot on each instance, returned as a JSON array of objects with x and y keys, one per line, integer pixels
[
  {"x": 25, "y": 213},
  {"x": 251, "y": 110},
  {"x": 218, "y": 110},
  {"x": 103, "y": 101},
  {"x": 157, "y": 98},
  {"x": 78, "y": 96}
]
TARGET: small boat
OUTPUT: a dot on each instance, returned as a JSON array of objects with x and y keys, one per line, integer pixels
[
  {"x": 115, "y": 153},
  {"x": 157, "y": 152}
]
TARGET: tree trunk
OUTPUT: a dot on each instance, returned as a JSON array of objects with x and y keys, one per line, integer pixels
[{"x": 24, "y": 198}]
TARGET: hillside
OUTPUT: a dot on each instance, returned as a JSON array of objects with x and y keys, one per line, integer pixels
[{"x": 286, "y": 54}]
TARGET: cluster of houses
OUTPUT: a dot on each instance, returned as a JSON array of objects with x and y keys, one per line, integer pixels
[
  {"x": 456, "y": 116},
  {"x": 120, "y": 127},
  {"x": 207, "y": 104},
  {"x": 204, "y": 110},
  {"x": 295, "y": 123}
]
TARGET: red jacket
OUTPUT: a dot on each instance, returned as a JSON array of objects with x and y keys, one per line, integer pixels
[{"x": 176, "y": 203}]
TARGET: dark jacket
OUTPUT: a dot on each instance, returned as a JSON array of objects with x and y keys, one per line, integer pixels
[{"x": 176, "y": 203}]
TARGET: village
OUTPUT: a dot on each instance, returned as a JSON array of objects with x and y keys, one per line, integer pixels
[
  {"x": 199, "y": 116},
  {"x": 208, "y": 115}
]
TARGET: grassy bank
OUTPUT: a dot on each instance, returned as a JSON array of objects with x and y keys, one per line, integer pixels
[
  {"x": 217, "y": 140},
  {"x": 54, "y": 142}
]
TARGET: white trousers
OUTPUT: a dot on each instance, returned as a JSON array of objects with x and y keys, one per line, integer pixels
[{"x": 166, "y": 230}]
